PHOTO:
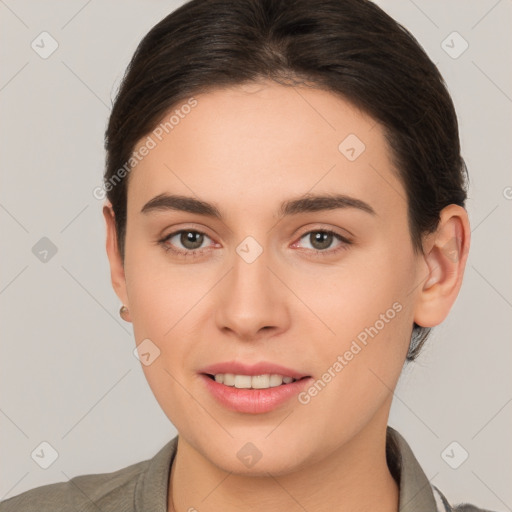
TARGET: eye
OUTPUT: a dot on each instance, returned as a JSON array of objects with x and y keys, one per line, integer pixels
[
  {"x": 186, "y": 242},
  {"x": 189, "y": 242},
  {"x": 321, "y": 240}
]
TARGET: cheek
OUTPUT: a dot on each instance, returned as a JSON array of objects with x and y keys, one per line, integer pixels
[
  {"x": 354, "y": 295},
  {"x": 160, "y": 292},
  {"x": 361, "y": 355},
  {"x": 366, "y": 314},
  {"x": 162, "y": 300},
  {"x": 164, "y": 308}
]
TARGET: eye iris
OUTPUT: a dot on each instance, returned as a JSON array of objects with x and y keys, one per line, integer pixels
[
  {"x": 325, "y": 239},
  {"x": 193, "y": 237}
]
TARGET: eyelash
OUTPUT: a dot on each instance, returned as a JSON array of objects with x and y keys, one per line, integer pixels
[{"x": 198, "y": 252}]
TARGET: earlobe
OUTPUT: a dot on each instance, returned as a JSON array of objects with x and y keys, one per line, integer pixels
[
  {"x": 117, "y": 274},
  {"x": 444, "y": 260}
]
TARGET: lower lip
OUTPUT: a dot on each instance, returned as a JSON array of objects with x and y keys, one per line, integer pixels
[{"x": 254, "y": 401}]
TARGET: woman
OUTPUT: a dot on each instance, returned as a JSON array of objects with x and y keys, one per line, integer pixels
[{"x": 285, "y": 224}]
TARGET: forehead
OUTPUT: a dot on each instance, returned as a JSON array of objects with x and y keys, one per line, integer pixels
[{"x": 245, "y": 145}]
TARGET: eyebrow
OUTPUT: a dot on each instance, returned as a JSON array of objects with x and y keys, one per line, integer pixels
[{"x": 304, "y": 204}]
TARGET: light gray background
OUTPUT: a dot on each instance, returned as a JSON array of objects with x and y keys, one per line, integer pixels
[{"x": 68, "y": 374}]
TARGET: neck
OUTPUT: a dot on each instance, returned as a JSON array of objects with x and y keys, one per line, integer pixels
[{"x": 354, "y": 477}]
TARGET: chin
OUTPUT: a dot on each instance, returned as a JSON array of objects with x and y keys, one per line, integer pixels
[{"x": 256, "y": 456}]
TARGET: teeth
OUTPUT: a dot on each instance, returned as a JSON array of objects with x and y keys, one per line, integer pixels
[{"x": 252, "y": 382}]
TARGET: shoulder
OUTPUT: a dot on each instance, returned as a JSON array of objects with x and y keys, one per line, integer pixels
[
  {"x": 444, "y": 506},
  {"x": 467, "y": 507},
  {"x": 141, "y": 486},
  {"x": 417, "y": 493},
  {"x": 112, "y": 491}
]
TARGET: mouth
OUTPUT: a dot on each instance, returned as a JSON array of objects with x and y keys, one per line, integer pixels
[
  {"x": 254, "y": 394},
  {"x": 263, "y": 381}
]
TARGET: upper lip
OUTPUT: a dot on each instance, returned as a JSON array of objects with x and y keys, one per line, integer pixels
[{"x": 261, "y": 368}]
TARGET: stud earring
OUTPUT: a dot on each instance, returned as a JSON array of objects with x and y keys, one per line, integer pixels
[{"x": 123, "y": 312}]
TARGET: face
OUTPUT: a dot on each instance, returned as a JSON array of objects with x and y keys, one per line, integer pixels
[{"x": 324, "y": 288}]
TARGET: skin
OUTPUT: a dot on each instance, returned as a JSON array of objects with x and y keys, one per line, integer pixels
[{"x": 247, "y": 149}]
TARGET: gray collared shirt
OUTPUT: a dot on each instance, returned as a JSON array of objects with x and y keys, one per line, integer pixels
[
  {"x": 143, "y": 487},
  {"x": 417, "y": 494}
]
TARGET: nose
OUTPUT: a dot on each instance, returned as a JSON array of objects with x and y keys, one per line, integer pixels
[{"x": 252, "y": 301}]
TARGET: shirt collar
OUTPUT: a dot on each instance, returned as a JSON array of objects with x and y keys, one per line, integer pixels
[
  {"x": 152, "y": 485},
  {"x": 416, "y": 492}
]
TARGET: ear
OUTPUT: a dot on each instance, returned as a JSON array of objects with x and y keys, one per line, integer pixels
[
  {"x": 117, "y": 275},
  {"x": 445, "y": 254}
]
